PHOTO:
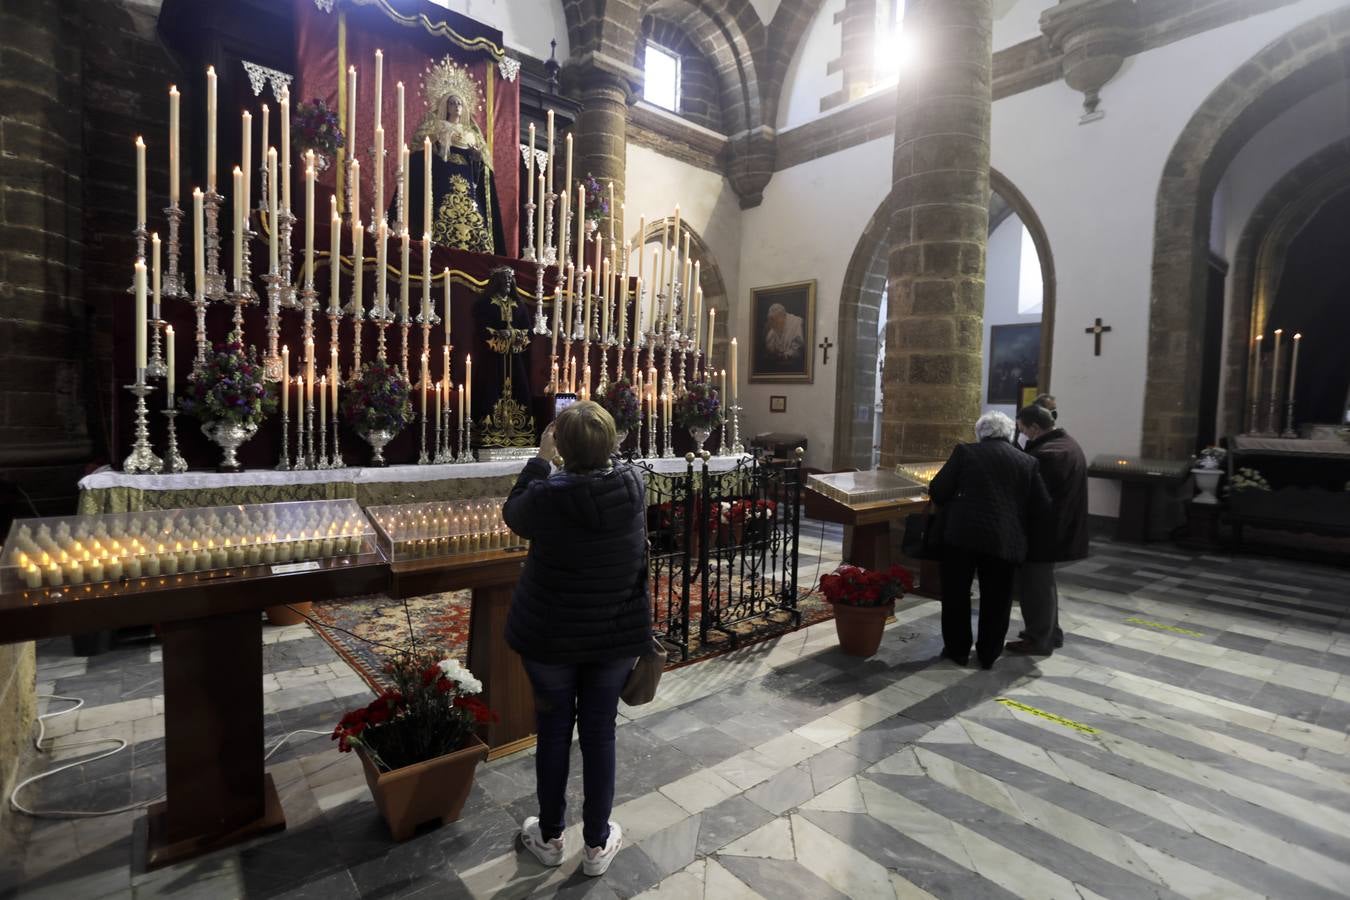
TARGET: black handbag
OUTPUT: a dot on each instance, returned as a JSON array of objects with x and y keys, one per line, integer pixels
[
  {"x": 643, "y": 681},
  {"x": 923, "y": 535}
]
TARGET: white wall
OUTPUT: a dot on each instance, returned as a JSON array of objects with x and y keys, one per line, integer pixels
[
  {"x": 807, "y": 82},
  {"x": 1016, "y": 21},
  {"x": 526, "y": 25},
  {"x": 807, "y": 228},
  {"x": 655, "y": 183},
  {"x": 1004, "y": 286}
]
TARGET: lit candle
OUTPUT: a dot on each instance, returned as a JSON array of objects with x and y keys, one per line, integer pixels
[
  {"x": 548, "y": 166},
  {"x": 309, "y": 219},
  {"x": 140, "y": 183},
  {"x": 1293, "y": 367},
  {"x": 358, "y": 270},
  {"x": 334, "y": 380},
  {"x": 309, "y": 389},
  {"x": 637, "y": 319},
  {"x": 274, "y": 236},
  {"x": 724, "y": 386},
  {"x": 210, "y": 128},
  {"x": 675, "y": 242},
  {"x": 1275, "y": 375},
  {"x": 461, "y": 409},
  {"x": 426, "y": 185},
  {"x": 402, "y": 136},
  {"x": 448, "y": 318},
  {"x": 445, "y": 366},
  {"x": 139, "y": 281},
  {"x": 698, "y": 316},
  {"x": 381, "y": 266},
  {"x": 403, "y": 276},
  {"x": 426, "y": 276},
  {"x": 557, "y": 317},
  {"x": 734, "y": 383},
  {"x": 567, "y": 182},
  {"x": 623, "y": 303},
  {"x": 154, "y": 278},
  {"x": 529, "y": 170},
  {"x": 438, "y": 400},
  {"x": 173, "y": 144},
  {"x": 586, "y": 383},
  {"x": 571, "y": 299},
  {"x": 333, "y": 370},
  {"x": 246, "y": 158},
  {"x": 351, "y": 129},
  {"x": 379, "y": 100},
  {"x": 323, "y": 403},
  {"x": 199, "y": 257},
  {"x": 424, "y": 384},
  {"x": 309, "y": 370},
  {"x": 334, "y": 257},
  {"x": 379, "y": 167},
  {"x": 468, "y": 385},
  {"x": 237, "y": 186},
  {"x": 285, "y": 380},
  {"x": 169, "y": 360},
  {"x": 285, "y": 127}
]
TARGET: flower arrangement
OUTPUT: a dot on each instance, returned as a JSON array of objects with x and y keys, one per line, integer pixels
[
  {"x": 1249, "y": 480},
  {"x": 379, "y": 398},
  {"x": 621, "y": 402},
  {"x": 430, "y": 711},
  {"x": 229, "y": 389},
  {"x": 854, "y": 586},
  {"x": 597, "y": 203},
  {"x": 317, "y": 128},
  {"x": 1212, "y": 457},
  {"x": 698, "y": 407},
  {"x": 740, "y": 511}
]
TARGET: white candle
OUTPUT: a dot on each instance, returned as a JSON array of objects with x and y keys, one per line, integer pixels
[
  {"x": 712, "y": 327},
  {"x": 334, "y": 257},
  {"x": 285, "y": 380},
  {"x": 1275, "y": 374},
  {"x": 401, "y": 137},
  {"x": 139, "y": 281},
  {"x": 323, "y": 403},
  {"x": 426, "y": 276},
  {"x": 426, "y": 185},
  {"x": 445, "y": 365},
  {"x": 529, "y": 170},
  {"x": 461, "y": 409},
  {"x": 448, "y": 317},
  {"x": 237, "y": 187},
  {"x": 548, "y": 166},
  {"x": 735, "y": 385},
  {"x": 140, "y": 182},
  {"x": 622, "y": 300},
  {"x": 379, "y": 171},
  {"x": 468, "y": 385},
  {"x": 309, "y": 219},
  {"x": 586, "y": 308},
  {"x": 284, "y": 115},
  {"x": 438, "y": 401},
  {"x": 724, "y": 386},
  {"x": 1256, "y": 374},
  {"x": 611, "y": 212},
  {"x": 379, "y": 94},
  {"x": 539, "y": 227},
  {"x": 567, "y": 181},
  {"x": 210, "y": 128},
  {"x": 562, "y": 227},
  {"x": 1293, "y": 366},
  {"x": 581, "y": 228},
  {"x": 381, "y": 266},
  {"x": 698, "y": 315},
  {"x": 246, "y": 159},
  {"x": 403, "y": 276},
  {"x": 637, "y": 319},
  {"x": 358, "y": 270},
  {"x": 198, "y": 245},
  {"x": 263, "y": 144},
  {"x": 171, "y": 358},
  {"x": 173, "y": 143},
  {"x": 403, "y": 161},
  {"x": 351, "y": 127},
  {"x": 154, "y": 278},
  {"x": 309, "y": 371},
  {"x": 425, "y": 383},
  {"x": 333, "y": 382},
  {"x": 607, "y": 302},
  {"x": 274, "y": 233}
]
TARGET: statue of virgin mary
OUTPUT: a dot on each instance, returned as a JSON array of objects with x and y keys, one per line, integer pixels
[{"x": 464, "y": 214}]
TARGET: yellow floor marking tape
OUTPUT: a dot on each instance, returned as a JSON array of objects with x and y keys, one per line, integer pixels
[
  {"x": 1133, "y": 620},
  {"x": 1058, "y": 720}
]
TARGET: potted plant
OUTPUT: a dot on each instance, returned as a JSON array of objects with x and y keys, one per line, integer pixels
[
  {"x": 620, "y": 400},
  {"x": 699, "y": 410},
  {"x": 318, "y": 128},
  {"x": 863, "y": 600},
  {"x": 378, "y": 405},
  {"x": 597, "y": 205},
  {"x": 417, "y": 741},
  {"x": 1208, "y": 471},
  {"x": 228, "y": 396}
]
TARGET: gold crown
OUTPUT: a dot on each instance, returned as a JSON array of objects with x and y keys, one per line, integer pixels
[{"x": 449, "y": 79}]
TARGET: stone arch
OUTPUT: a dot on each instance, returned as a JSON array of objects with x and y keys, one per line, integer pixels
[
  {"x": 787, "y": 30},
  {"x": 1285, "y": 71},
  {"x": 715, "y": 295},
  {"x": 859, "y": 301},
  {"x": 1258, "y": 264}
]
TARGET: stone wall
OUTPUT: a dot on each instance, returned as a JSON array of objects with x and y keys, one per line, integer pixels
[
  {"x": 700, "y": 100},
  {"x": 18, "y": 708}
]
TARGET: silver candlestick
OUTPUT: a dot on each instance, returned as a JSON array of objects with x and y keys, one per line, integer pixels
[
  {"x": 272, "y": 359},
  {"x": 550, "y": 251},
  {"x": 309, "y": 436},
  {"x": 215, "y": 276},
  {"x": 336, "y": 461},
  {"x": 154, "y": 366},
  {"x": 285, "y": 223},
  {"x": 142, "y": 459},
  {"x": 667, "y": 451},
  {"x": 466, "y": 441},
  {"x": 284, "y": 463},
  {"x": 173, "y": 460},
  {"x": 423, "y": 458},
  {"x": 199, "y": 303},
  {"x": 724, "y": 448},
  {"x": 173, "y": 284},
  {"x": 1289, "y": 431},
  {"x": 540, "y": 317},
  {"x": 299, "y": 435},
  {"x": 736, "y": 446},
  {"x": 321, "y": 457},
  {"x": 528, "y": 255}
]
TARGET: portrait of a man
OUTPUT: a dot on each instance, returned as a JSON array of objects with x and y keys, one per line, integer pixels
[{"x": 783, "y": 319}]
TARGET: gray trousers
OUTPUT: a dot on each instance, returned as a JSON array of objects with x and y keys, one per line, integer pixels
[{"x": 1039, "y": 599}]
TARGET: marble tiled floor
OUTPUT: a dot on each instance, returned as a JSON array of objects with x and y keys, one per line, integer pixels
[{"x": 1189, "y": 740}]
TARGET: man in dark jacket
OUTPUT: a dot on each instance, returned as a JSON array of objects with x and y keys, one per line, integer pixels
[
  {"x": 1062, "y": 537},
  {"x": 579, "y": 618},
  {"x": 990, "y": 496}
]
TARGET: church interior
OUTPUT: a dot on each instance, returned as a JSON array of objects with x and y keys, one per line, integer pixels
[{"x": 968, "y": 368}]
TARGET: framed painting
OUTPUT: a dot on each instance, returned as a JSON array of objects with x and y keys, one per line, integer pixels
[
  {"x": 778, "y": 403},
  {"x": 782, "y": 329},
  {"x": 1014, "y": 356}
]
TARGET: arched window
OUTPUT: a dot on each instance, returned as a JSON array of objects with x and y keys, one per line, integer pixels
[
  {"x": 661, "y": 84},
  {"x": 892, "y": 46}
]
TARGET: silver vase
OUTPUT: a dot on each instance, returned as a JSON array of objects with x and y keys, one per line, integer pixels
[
  {"x": 700, "y": 436},
  {"x": 377, "y": 440},
  {"x": 619, "y": 438},
  {"x": 228, "y": 436}
]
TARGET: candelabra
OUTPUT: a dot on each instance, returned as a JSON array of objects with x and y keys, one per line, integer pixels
[
  {"x": 550, "y": 251},
  {"x": 653, "y": 452},
  {"x": 736, "y": 446},
  {"x": 1254, "y": 421},
  {"x": 553, "y": 375},
  {"x": 578, "y": 316},
  {"x": 142, "y": 459},
  {"x": 667, "y": 452},
  {"x": 285, "y": 223},
  {"x": 1289, "y": 431},
  {"x": 422, "y": 457},
  {"x": 199, "y": 302},
  {"x": 604, "y": 364},
  {"x": 336, "y": 462},
  {"x": 567, "y": 356},
  {"x": 466, "y": 441},
  {"x": 530, "y": 207},
  {"x": 320, "y": 460},
  {"x": 439, "y": 456},
  {"x": 173, "y": 460},
  {"x": 723, "y": 448},
  {"x": 272, "y": 358},
  {"x": 215, "y": 276},
  {"x": 540, "y": 318},
  {"x": 1273, "y": 415},
  {"x": 299, "y": 437},
  {"x": 284, "y": 463},
  {"x": 172, "y": 284},
  {"x": 405, "y": 328}
]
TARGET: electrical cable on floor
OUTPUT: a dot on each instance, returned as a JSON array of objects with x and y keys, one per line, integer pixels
[{"x": 121, "y": 745}]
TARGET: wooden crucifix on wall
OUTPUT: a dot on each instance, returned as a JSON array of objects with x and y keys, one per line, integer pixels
[
  {"x": 825, "y": 345},
  {"x": 1097, "y": 329}
]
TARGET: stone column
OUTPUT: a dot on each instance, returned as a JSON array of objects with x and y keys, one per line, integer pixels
[
  {"x": 939, "y": 232},
  {"x": 602, "y": 128}
]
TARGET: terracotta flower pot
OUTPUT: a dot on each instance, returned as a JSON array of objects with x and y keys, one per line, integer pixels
[
  {"x": 859, "y": 627},
  {"x": 435, "y": 789},
  {"x": 285, "y": 615}
]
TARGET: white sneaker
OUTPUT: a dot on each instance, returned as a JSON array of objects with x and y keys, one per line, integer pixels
[
  {"x": 596, "y": 860},
  {"x": 549, "y": 853}
]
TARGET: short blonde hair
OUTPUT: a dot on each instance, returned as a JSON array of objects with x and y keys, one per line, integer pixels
[{"x": 586, "y": 435}]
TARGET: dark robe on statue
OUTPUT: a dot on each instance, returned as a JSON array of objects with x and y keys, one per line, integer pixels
[{"x": 464, "y": 210}]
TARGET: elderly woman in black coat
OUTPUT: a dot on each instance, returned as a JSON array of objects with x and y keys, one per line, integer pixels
[
  {"x": 579, "y": 618},
  {"x": 989, "y": 495}
]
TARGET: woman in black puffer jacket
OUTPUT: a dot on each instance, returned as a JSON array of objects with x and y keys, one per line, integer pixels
[{"x": 580, "y": 618}]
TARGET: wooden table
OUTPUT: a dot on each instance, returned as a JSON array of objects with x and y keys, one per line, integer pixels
[
  {"x": 210, "y": 623},
  {"x": 1151, "y": 494},
  {"x": 870, "y": 547},
  {"x": 491, "y": 576}
]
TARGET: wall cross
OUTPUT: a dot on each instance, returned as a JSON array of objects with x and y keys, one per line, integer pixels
[
  {"x": 1097, "y": 329},
  {"x": 826, "y": 345}
]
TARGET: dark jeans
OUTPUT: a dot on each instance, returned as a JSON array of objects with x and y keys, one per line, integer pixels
[
  {"x": 585, "y": 695},
  {"x": 959, "y": 569},
  {"x": 1039, "y": 597}
]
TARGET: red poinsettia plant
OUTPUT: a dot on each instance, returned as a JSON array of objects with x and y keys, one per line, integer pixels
[
  {"x": 855, "y": 586},
  {"x": 430, "y": 711}
]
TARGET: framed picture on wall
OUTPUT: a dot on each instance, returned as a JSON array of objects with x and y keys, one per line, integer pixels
[
  {"x": 778, "y": 403},
  {"x": 782, "y": 329},
  {"x": 1014, "y": 356}
]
